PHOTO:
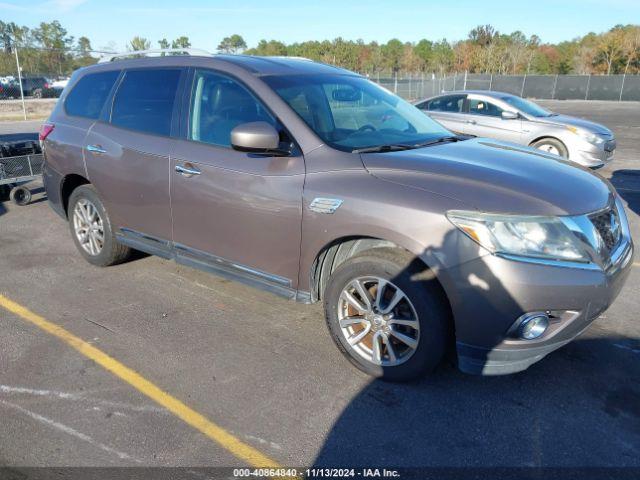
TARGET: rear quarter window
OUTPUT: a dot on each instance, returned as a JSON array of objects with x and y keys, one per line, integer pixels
[
  {"x": 87, "y": 97},
  {"x": 144, "y": 100}
]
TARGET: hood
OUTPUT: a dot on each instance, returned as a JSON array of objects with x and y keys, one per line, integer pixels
[
  {"x": 592, "y": 127},
  {"x": 494, "y": 176}
]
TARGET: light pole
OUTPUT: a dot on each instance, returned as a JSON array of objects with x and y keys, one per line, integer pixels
[{"x": 24, "y": 108}]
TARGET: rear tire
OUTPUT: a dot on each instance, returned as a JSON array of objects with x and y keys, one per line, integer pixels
[
  {"x": 551, "y": 145},
  {"x": 91, "y": 229},
  {"x": 406, "y": 350}
]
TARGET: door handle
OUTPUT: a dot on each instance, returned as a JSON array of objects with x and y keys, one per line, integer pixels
[
  {"x": 187, "y": 170},
  {"x": 472, "y": 122},
  {"x": 95, "y": 149}
]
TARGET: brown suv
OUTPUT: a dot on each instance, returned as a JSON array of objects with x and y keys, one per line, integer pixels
[{"x": 316, "y": 184}]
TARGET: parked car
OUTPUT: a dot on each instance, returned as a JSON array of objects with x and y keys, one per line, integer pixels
[
  {"x": 508, "y": 117},
  {"x": 314, "y": 183},
  {"x": 39, "y": 87},
  {"x": 9, "y": 88},
  {"x": 33, "y": 86},
  {"x": 57, "y": 87}
]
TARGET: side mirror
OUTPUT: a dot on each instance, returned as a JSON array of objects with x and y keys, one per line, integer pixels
[
  {"x": 507, "y": 115},
  {"x": 257, "y": 137}
]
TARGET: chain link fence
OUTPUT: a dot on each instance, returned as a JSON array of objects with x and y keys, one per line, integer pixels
[{"x": 550, "y": 87}]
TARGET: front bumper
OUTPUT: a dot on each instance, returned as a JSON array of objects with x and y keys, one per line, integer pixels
[
  {"x": 516, "y": 288},
  {"x": 490, "y": 292},
  {"x": 592, "y": 156}
]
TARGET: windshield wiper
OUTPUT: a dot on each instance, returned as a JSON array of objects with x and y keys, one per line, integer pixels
[
  {"x": 406, "y": 146},
  {"x": 438, "y": 141},
  {"x": 383, "y": 148}
]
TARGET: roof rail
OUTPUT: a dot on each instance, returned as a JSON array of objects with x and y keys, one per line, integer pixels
[{"x": 155, "y": 52}]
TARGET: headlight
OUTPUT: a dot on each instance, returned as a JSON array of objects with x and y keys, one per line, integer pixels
[
  {"x": 525, "y": 236},
  {"x": 588, "y": 136}
]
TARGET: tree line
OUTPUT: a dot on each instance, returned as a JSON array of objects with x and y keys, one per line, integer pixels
[{"x": 48, "y": 48}]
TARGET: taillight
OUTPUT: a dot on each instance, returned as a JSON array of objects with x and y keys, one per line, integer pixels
[
  {"x": 45, "y": 130},
  {"x": 46, "y": 85}
]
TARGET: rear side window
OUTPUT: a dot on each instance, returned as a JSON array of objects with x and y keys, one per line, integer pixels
[
  {"x": 89, "y": 94},
  {"x": 449, "y": 103},
  {"x": 144, "y": 100}
]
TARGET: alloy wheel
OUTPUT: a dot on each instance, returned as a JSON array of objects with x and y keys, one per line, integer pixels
[
  {"x": 378, "y": 321},
  {"x": 547, "y": 147},
  {"x": 88, "y": 228}
]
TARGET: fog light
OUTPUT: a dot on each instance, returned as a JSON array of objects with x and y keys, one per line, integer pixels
[{"x": 533, "y": 326}]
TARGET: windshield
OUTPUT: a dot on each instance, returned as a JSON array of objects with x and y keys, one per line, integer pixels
[
  {"x": 351, "y": 113},
  {"x": 527, "y": 107}
]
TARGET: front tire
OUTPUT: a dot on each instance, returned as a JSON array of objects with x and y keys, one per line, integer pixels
[
  {"x": 91, "y": 229},
  {"x": 551, "y": 145},
  {"x": 387, "y": 315}
]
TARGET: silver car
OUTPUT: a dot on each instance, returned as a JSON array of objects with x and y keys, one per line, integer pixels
[{"x": 508, "y": 117}]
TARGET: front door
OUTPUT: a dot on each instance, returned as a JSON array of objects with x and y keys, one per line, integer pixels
[
  {"x": 238, "y": 213},
  {"x": 484, "y": 119}
]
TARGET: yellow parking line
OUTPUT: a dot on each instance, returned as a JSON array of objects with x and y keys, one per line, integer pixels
[{"x": 198, "y": 421}]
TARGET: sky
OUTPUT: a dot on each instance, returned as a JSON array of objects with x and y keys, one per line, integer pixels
[{"x": 111, "y": 24}]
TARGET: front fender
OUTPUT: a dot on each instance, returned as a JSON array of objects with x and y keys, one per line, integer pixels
[{"x": 410, "y": 218}]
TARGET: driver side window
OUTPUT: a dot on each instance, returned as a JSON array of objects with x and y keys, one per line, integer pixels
[
  {"x": 218, "y": 105},
  {"x": 482, "y": 107}
]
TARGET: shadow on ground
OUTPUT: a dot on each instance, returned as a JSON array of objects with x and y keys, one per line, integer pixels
[
  {"x": 580, "y": 406},
  {"x": 627, "y": 183}
]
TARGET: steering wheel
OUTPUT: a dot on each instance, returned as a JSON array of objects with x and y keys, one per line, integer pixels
[{"x": 366, "y": 127}]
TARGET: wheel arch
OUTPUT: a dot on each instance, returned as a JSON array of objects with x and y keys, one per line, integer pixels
[
  {"x": 337, "y": 251},
  {"x": 68, "y": 185}
]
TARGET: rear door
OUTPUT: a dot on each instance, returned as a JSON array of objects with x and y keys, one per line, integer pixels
[
  {"x": 237, "y": 213},
  {"x": 447, "y": 110},
  {"x": 484, "y": 119},
  {"x": 127, "y": 156}
]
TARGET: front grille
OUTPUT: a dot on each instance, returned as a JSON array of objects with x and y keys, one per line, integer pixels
[{"x": 607, "y": 223}]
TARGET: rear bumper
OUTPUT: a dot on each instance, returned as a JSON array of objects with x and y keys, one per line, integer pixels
[
  {"x": 52, "y": 181},
  {"x": 493, "y": 292}
]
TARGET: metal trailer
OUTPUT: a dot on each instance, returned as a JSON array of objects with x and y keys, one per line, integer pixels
[{"x": 17, "y": 170}]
